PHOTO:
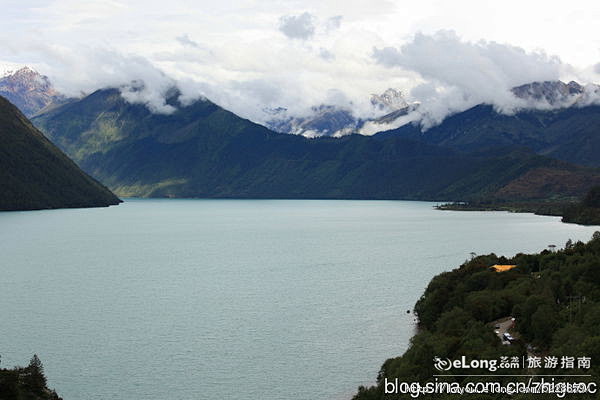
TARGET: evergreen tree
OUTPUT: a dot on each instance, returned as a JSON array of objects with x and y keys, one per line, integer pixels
[{"x": 35, "y": 378}]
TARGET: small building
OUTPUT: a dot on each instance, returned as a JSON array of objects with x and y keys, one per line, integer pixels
[{"x": 502, "y": 268}]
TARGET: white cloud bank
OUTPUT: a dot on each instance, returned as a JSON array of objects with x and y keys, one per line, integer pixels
[
  {"x": 264, "y": 54},
  {"x": 458, "y": 74}
]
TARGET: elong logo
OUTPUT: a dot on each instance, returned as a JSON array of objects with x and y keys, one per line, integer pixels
[{"x": 462, "y": 363}]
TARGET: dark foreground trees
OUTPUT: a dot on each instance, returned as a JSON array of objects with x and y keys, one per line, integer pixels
[{"x": 27, "y": 383}]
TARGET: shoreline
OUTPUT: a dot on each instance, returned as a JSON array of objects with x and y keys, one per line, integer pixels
[
  {"x": 569, "y": 211},
  {"x": 460, "y": 309}
]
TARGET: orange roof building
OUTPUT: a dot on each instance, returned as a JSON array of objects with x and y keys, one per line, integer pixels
[{"x": 502, "y": 268}]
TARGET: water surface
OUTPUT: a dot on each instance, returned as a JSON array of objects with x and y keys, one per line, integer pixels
[{"x": 232, "y": 299}]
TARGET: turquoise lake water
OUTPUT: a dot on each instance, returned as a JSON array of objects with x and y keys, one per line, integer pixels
[{"x": 232, "y": 299}]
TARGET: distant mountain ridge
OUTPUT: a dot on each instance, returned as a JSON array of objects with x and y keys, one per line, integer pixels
[
  {"x": 29, "y": 91},
  {"x": 33, "y": 93},
  {"x": 325, "y": 120},
  {"x": 329, "y": 120},
  {"x": 556, "y": 94},
  {"x": 35, "y": 174},
  {"x": 202, "y": 150},
  {"x": 569, "y": 134}
]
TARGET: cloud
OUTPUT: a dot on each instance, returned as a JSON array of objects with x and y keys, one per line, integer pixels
[
  {"x": 371, "y": 128},
  {"x": 82, "y": 69},
  {"x": 333, "y": 23},
  {"x": 326, "y": 54},
  {"x": 233, "y": 53},
  {"x": 298, "y": 26},
  {"x": 262, "y": 90},
  {"x": 305, "y": 26},
  {"x": 459, "y": 74},
  {"x": 387, "y": 56},
  {"x": 597, "y": 68},
  {"x": 186, "y": 41}
]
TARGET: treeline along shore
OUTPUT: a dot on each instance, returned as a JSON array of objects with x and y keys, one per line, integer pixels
[
  {"x": 583, "y": 212},
  {"x": 554, "y": 298}
]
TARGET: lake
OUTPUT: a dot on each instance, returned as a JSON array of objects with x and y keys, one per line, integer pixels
[{"x": 232, "y": 299}]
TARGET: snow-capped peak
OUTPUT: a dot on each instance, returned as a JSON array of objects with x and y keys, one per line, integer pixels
[{"x": 390, "y": 100}]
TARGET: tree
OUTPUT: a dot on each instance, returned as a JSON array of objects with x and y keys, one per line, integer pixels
[
  {"x": 543, "y": 324},
  {"x": 9, "y": 384},
  {"x": 592, "y": 199},
  {"x": 454, "y": 322},
  {"x": 35, "y": 377}
]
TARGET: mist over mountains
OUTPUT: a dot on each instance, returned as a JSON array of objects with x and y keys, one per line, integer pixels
[
  {"x": 32, "y": 92},
  {"x": 329, "y": 120},
  {"x": 308, "y": 75},
  {"x": 202, "y": 150},
  {"x": 198, "y": 149}
]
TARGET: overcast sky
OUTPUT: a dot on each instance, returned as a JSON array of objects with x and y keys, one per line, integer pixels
[{"x": 249, "y": 55}]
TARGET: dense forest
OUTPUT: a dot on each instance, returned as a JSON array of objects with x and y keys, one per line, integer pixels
[
  {"x": 587, "y": 212},
  {"x": 554, "y": 297},
  {"x": 26, "y": 383}
]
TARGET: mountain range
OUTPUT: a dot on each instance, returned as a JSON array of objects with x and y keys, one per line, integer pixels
[
  {"x": 569, "y": 134},
  {"x": 330, "y": 120},
  {"x": 34, "y": 174},
  {"x": 202, "y": 150},
  {"x": 556, "y": 94}
]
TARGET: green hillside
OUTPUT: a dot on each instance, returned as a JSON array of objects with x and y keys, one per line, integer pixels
[
  {"x": 554, "y": 298},
  {"x": 202, "y": 150},
  {"x": 571, "y": 134},
  {"x": 34, "y": 174},
  {"x": 587, "y": 212}
]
